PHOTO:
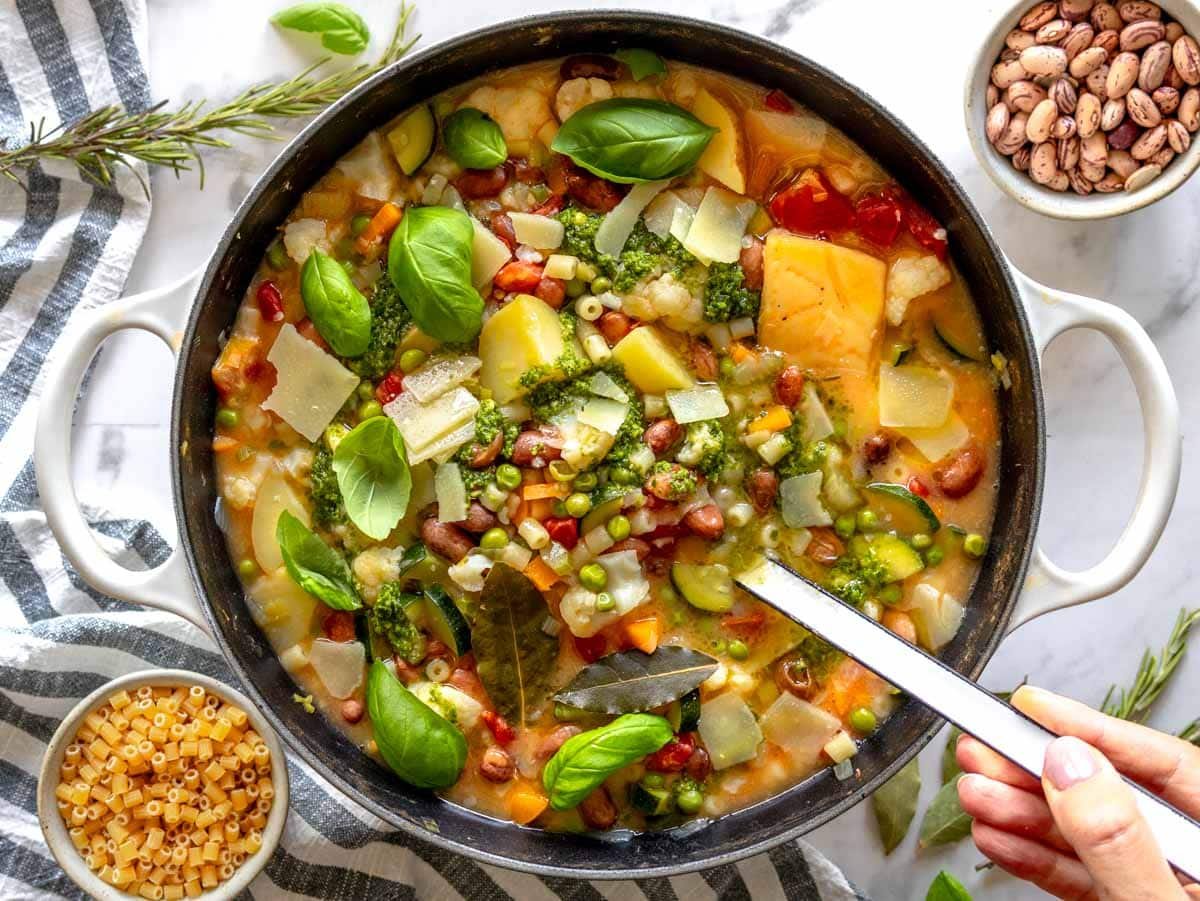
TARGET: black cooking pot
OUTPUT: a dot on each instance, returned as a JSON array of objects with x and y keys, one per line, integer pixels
[{"x": 208, "y": 570}]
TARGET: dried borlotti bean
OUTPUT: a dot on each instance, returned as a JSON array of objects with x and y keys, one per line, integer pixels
[{"x": 1094, "y": 96}]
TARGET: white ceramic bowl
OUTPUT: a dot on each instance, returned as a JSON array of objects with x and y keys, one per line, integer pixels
[
  {"x": 55, "y": 830},
  {"x": 1023, "y": 189}
]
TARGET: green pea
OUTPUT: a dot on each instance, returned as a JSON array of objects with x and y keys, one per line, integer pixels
[
  {"x": 618, "y": 527},
  {"x": 277, "y": 256},
  {"x": 593, "y": 577},
  {"x": 578, "y": 505},
  {"x": 934, "y": 556},
  {"x": 921, "y": 541},
  {"x": 622, "y": 475},
  {"x": 494, "y": 539},
  {"x": 575, "y": 287},
  {"x": 359, "y": 224},
  {"x": 974, "y": 545},
  {"x": 689, "y": 800},
  {"x": 411, "y": 359},
  {"x": 725, "y": 367},
  {"x": 585, "y": 481},
  {"x": 247, "y": 568},
  {"x": 227, "y": 418},
  {"x": 844, "y": 525},
  {"x": 862, "y": 719},
  {"x": 653, "y": 780},
  {"x": 559, "y": 509},
  {"x": 601, "y": 284},
  {"x": 508, "y": 477},
  {"x": 891, "y": 594},
  {"x": 369, "y": 409},
  {"x": 366, "y": 390},
  {"x": 605, "y": 602},
  {"x": 719, "y": 646},
  {"x": 866, "y": 520},
  {"x": 737, "y": 649}
]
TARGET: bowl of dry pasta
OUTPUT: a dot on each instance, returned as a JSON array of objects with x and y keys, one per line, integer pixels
[{"x": 163, "y": 784}]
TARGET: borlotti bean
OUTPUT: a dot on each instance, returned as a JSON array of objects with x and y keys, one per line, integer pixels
[{"x": 1094, "y": 96}]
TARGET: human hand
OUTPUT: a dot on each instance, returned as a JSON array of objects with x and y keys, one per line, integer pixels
[{"x": 1077, "y": 833}]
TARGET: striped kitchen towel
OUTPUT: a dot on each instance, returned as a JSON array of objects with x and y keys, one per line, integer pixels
[{"x": 66, "y": 246}]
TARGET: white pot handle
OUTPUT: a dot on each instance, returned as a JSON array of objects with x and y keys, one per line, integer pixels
[
  {"x": 1048, "y": 586},
  {"x": 161, "y": 312}
]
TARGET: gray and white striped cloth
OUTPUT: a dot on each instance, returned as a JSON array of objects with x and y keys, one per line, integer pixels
[{"x": 65, "y": 247}]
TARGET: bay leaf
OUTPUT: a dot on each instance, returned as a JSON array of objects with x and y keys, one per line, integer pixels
[
  {"x": 895, "y": 805},
  {"x": 945, "y": 821},
  {"x": 513, "y": 656},
  {"x": 946, "y": 888},
  {"x": 633, "y": 681},
  {"x": 950, "y": 767}
]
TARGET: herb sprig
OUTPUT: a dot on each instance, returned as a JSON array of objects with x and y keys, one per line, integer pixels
[
  {"x": 109, "y": 137},
  {"x": 1153, "y": 674}
]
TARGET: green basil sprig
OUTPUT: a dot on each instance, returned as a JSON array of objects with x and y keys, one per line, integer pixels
[
  {"x": 337, "y": 308},
  {"x": 372, "y": 474},
  {"x": 473, "y": 139},
  {"x": 633, "y": 140},
  {"x": 342, "y": 30},
  {"x": 314, "y": 565},
  {"x": 419, "y": 746},
  {"x": 642, "y": 63},
  {"x": 586, "y": 760},
  {"x": 429, "y": 262}
]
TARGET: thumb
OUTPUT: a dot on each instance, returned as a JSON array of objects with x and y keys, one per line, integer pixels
[{"x": 1097, "y": 813}]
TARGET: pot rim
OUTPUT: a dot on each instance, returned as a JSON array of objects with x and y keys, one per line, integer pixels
[{"x": 521, "y": 29}]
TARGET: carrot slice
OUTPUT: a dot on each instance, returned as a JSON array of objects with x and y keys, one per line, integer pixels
[
  {"x": 540, "y": 573},
  {"x": 774, "y": 419},
  {"x": 525, "y": 804},
  {"x": 223, "y": 444},
  {"x": 539, "y": 490},
  {"x": 382, "y": 224},
  {"x": 643, "y": 634}
]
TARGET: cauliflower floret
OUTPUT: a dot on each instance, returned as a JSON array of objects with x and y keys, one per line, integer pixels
[
  {"x": 302, "y": 236},
  {"x": 238, "y": 492},
  {"x": 583, "y": 445},
  {"x": 576, "y": 93},
  {"x": 909, "y": 278},
  {"x": 374, "y": 567},
  {"x": 370, "y": 164},
  {"x": 519, "y": 111},
  {"x": 668, "y": 299},
  {"x": 468, "y": 573}
]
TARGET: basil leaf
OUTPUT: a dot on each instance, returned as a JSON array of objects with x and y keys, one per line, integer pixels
[
  {"x": 895, "y": 805},
  {"x": 950, "y": 767},
  {"x": 631, "y": 139},
  {"x": 372, "y": 474},
  {"x": 419, "y": 746},
  {"x": 429, "y": 262},
  {"x": 314, "y": 565},
  {"x": 342, "y": 30},
  {"x": 337, "y": 308},
  {"x": 473, "y": 139},
  {"x": 586, "y": 760},
  {"x": 633, "y": 680},
  {"x": 642, "y": 63},
  {"x": 945, "y": 821},
  {"x": 946, "y": 888},
  {"x": 513, "y": 655}
]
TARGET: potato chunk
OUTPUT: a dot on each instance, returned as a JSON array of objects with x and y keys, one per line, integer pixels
[
  {"x": 822, "y": 304},
  {"x": 650, "y": 363},
  {"x": 523, "y": 334}
]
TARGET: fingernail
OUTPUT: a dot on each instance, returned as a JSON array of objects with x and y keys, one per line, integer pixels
[{"x": 1069, "y": 761}]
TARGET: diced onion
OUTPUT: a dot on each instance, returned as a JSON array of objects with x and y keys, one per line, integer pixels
[
  {"x": 697, "y": 404},
  {"x": 598, "y": 540},
  {"x": 618, "y": 225},
  {"x": 452, "y": 199},
  {"x": 451, "y": 493},
  {"x": 537, "y": 231},
  {"x": 433, "y": 189},
  {"x": 719, "y": 336},
  {"x": 742, "y": 327},
  {"x": 841, "y": 747},
  {"x": 843, "y": 770}
]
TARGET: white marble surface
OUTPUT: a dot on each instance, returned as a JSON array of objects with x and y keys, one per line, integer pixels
[{"x": 912, "y": 57}]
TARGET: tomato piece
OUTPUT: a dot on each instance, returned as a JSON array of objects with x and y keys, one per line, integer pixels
[
  {"x": 339, "y": 626},
  {"x": 554, "y": 204},
  {"x": 878, "y": 218},
  {"x": 811, "y": 206},
  {"x": 778, "y": 101},
  {"x": 917, "y": 487},
  {"x": 389, "y": 389},
  {"x": 593, "y": 648},
  {"x": 499, "y": 727},
  {"x": 925, "y": 230},
  {"x": 673, "y": 756},
  {"x": 564, "y": 530},
  {"x": 518, "y": 276}
]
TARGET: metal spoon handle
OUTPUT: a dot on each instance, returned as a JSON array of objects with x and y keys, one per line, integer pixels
[{"x": 973, "y": 709}]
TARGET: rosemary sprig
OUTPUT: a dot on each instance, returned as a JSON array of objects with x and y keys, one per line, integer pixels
[
  {"x": 1154, "y": 672},
  {"x": 1191, "y": 732},
  {"x": 108, "y": 137}
]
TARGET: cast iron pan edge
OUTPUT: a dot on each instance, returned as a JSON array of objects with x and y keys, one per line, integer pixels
[{"x": 309, "y": 155}]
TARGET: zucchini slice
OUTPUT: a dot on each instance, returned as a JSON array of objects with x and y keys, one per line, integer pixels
[
  {"x": 957, "y": 327},
  {"x": 413, "y": 137},
  {"x": 600, "y": 514},
  {"x": 445, "y": 622},
  {"x": 899, "y": 560},
  {"x": 653, "y": 802},
  {"x": 707, "y": 587},
  {"x": 684, "y": 714},
  {"x": 900, "y": 509}
]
